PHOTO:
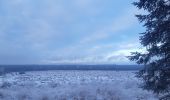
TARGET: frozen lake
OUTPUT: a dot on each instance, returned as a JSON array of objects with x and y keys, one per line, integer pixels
[{"x": 73, "y": 85}]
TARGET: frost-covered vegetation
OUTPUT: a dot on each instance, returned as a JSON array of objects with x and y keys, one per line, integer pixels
[{"x": 73, "y": 85}]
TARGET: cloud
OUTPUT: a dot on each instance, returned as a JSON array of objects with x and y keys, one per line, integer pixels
[
  {"x": 100, "y": 54},
  {"x": 51, "y": 31},
  {"x": 116, "y": 57},
  {"x": 123, "y": 22}
]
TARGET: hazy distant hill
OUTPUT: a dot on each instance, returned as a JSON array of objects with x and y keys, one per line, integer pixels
[{"x": 18, "y": 68}]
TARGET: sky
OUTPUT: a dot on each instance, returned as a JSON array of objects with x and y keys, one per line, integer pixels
[{"x": 68, "y": 31}]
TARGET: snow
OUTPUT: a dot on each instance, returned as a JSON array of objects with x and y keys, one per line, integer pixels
[{"x": 73, "y": 85}]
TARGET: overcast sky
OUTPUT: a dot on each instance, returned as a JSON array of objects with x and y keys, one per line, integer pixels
[{"x": 68, "y": 31}]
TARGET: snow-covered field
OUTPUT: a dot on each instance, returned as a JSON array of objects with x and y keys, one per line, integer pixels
[{"x": 73, "y": 85}]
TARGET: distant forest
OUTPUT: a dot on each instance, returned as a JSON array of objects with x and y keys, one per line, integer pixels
[{"x": 22, "y": 68}]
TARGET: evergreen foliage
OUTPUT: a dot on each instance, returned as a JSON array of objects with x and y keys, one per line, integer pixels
[{"x": 156, "y": 40}]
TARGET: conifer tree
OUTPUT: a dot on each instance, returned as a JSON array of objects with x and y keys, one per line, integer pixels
[{"x": 156, "y": 41}]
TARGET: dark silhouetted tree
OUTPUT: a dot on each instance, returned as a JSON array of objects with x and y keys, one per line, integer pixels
[{"x": 156, "y": 40}]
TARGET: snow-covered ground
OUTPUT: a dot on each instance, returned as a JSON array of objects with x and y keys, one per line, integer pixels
[{"x": 73, "y": 85}]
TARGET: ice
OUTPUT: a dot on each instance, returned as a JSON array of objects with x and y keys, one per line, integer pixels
[{"x": 73, "y": 85}]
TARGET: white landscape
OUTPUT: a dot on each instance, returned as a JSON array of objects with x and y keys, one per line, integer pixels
[{"x": 73, "y": 85}]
